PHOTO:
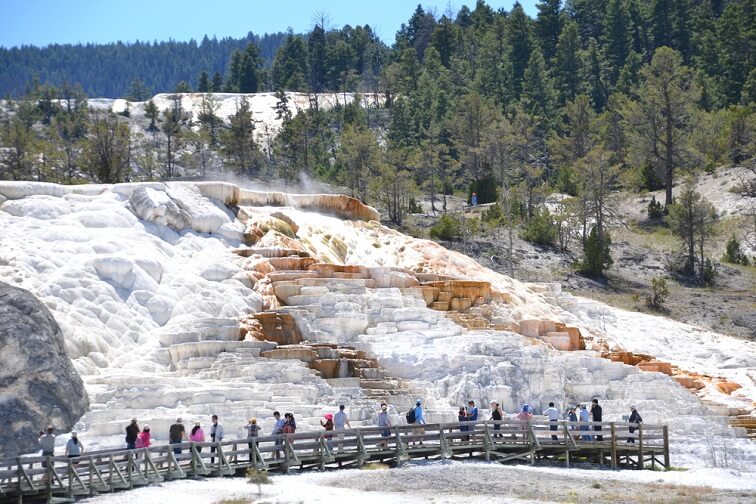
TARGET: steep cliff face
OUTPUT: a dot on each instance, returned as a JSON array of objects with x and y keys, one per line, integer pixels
[{"x": 38, "y": 384}]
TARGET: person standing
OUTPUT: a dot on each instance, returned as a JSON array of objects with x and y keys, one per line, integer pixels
[
  {"x": 462, "y": 418},
  {"x": 596, "y": 415},
  {"x": 74, "y": 448},
  {"x": 47, "y": 444},
  {"x": 340, "y": 422},
  {"x": 474, "y": 199},
  {"x": 553, "y": 414},
  {"x": 132, "y": 431},
  {"x": 216, "y": 435},
  {"x": 525, "y": 416},
  {"x": 197, "y": 435},
  {"x": 253, "y": 431},
  {"x": 572, "y": 417},
  {"x": 177, "y": 435},
  {"x": 278, "y": 431},
  {"x": 143, "y": 440},
  {"x": 328, "y": 426},
  {"x": 496, "y": 415},
  {"x": 584, "y": 418},
  {"x": 635, "y": 418},
  {"x": 384, "y": 422}
]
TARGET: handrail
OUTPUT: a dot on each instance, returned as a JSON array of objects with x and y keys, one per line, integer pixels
[{"x": 504, "y": 439}]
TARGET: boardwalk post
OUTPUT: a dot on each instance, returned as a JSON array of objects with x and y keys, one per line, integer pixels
[
  {"x": 614, "y": 446},
  {"x": 49, "y": 478},
  {"x": 129, "y": 471},
  {"x": 640, "y": 446},
  {"x": 666, "y": 448}
]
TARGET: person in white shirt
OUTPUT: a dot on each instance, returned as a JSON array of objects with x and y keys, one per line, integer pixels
[
  {"x": 340, "y": 421},
  {"x": 216, "y": 435},
  {"x": 553, "y": 415}
]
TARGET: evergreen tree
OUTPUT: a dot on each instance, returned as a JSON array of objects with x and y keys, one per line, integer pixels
[
  {"x": 217, "y": 85},
  {"x": 238, "y": 142},
  {"x": 106, "y": 154},
  {"x": 152, "y": 113},
  {"x": 616, "y": 39},
  {"x": 660, "y": 119},
  {"x": 548, "y": 26},
  {"x": 316, "y": 48},
  {"x": 290, "y": 71},
  {"x": 569, "y": 64},
  {"x": 138, "y": 91},
  {"x": 234, "y": 72},
  {"x": 250, "y": 68},
  {"x": 520, "y": 46},
  {"x": 203, "y": 86},
  {"x": 538, "y": 91}
]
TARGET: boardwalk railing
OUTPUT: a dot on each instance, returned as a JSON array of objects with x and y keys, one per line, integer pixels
[{"x": 60, "y": 478}]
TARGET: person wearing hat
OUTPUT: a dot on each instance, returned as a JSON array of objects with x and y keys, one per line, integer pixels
[
  {"x": 197, "y": 435},
  {"x": 132, "y": 431},
  {"x": 143, "y": 440},
  {"x": 340, "y": 422},
  {"x": 635, "y": 418},
  {"x": 74, "y": 448},
  {"x": 177, "y": 435},
  {"x": 526, "y": 416},
  {"x": 328, "y": 426},
  {"x": 252, "y": 432},
  {"x": 384, "y": 422}
]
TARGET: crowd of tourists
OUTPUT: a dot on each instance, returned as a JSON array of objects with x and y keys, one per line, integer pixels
[{"x": 336, "y": 423}]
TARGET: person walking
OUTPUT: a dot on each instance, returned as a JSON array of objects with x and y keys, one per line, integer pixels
[
  {"x": 216, "y": 435},
  {"x": 277, "y": 431},
  {"x": 340, "y": 422},
  {"x": 384, "y": 422},
  {"x": 596, "y": 415},
  {"x": 177, "y": 435},
  {"x": 497, "y": 414},
  {"x": 253, "y": 431},
  {"x": 553, "y": 415},
  {"x": 419, "y": 418},
  {"x": 47, "y": 442},
  {"x": 132, "y": 431},
  {"x": 143, "y": 440},
  {"x": 74, "y": 448},
  {"x": 328, "y": 426},
  {"x": 197, "y": 435},
  {"x": 635, "y": 418}
]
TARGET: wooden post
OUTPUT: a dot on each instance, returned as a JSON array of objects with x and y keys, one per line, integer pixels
[
  {"x": 91, "y": 476},
  {"x": 614, "y": 445},
  {"x": 129, "y": 471},
  {"x": 666, "y": 448},
  {"x": 640, "y": 446}
]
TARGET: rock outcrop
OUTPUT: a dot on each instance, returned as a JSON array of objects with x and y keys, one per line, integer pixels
[{"x": 38, "y": 384}]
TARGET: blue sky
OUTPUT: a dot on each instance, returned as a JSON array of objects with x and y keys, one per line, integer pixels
[{"x": 42, "y": 22}]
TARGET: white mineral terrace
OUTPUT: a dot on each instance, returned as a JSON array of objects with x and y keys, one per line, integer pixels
[{"x": 154, "y": 285}]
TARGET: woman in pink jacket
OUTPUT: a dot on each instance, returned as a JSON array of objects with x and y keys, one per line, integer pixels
[
  {"x": 143, "y": 439},
  {"x": 197, "y": 435}
]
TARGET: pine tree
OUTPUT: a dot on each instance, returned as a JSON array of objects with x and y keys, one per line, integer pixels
[
  {"x": 660, "y": 119},
  {"x": 520, "y": 46},
  {"x": 568, "y": 65},
  {"x": 203, "y": 86},
  {"x": 249, "y": 72},
  {"x": 152, "y": 113},
  {"x": 616, "y": 39},
  {"x": 548, "y": 26},
  {"x": 538, "y": 91},
  {"x": 217, "y": 85},
  {"x": 238, "y": 142}
]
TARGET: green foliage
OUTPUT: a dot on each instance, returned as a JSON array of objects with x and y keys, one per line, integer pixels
[
  {"x": 565, "y": 182},
  {"x": 448, "y": 228},
  {"x": 659, "y": 292},
  {"x": 654, "y": 210},
  {"x": 692, "y": 220},
  {"x": 486, "y": 189},
  {"x": 596, "y": 255},
  {"x": 540, "y": 228},
  {"x": 708, "y": 272},
  {"x": 733, "y": 253},
  {"x": 493, "y": 215}
]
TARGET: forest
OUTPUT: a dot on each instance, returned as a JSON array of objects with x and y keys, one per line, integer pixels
[{"x": 589, "y": 97}]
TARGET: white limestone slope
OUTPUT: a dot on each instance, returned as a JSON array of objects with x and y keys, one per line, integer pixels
[{"x": 143, "y": 283}]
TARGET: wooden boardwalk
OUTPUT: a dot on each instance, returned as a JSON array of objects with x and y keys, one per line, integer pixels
[{"x": 60, "y": 479}]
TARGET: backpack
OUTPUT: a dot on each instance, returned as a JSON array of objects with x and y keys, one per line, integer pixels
[{"x": 411, "y": 416}]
